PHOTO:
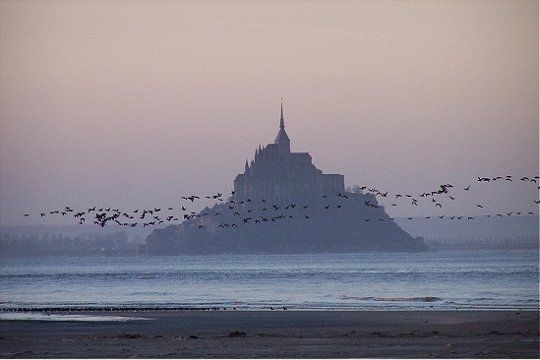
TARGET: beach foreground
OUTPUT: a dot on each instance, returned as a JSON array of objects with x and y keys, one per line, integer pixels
[{"x": 290, "y": 334}]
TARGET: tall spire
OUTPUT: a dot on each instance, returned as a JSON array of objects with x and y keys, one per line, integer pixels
[
  {"x": 282, "y": 139},
  {"x": 281, "y": 120}
]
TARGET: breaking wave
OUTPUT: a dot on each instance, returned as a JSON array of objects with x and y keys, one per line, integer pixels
[{"x": 392, "y": 299}]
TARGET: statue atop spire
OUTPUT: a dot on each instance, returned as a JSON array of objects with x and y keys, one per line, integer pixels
[{"x": 282, "y": 140}]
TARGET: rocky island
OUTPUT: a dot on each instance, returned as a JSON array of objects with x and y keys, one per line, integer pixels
[{"x": 283, "y": 204}]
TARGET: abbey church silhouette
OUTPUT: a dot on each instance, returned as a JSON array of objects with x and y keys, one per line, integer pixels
[
  {"x": 283, "y": 204},
  {"x": 279, "y": 175}
]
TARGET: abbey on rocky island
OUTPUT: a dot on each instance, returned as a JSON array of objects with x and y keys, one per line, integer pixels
[{"x": 283, "y": 204}]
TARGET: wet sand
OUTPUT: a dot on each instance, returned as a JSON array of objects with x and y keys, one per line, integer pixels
[{"x": 280, "y": 334}]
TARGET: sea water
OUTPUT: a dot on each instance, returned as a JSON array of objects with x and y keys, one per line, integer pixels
[{"x": 456, "y": 279}]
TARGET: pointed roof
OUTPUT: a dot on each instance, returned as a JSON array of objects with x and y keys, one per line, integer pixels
[{"x": 282, "y": 137}]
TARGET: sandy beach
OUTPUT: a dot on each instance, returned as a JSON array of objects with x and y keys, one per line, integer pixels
[{"x": 278, "y": 334}]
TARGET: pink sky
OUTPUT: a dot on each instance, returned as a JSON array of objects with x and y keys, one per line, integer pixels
[{"x": 131, "y": 104}]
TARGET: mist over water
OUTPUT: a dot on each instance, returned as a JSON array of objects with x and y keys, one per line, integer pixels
[
  {"x": 473, "y": 279},
  {"x": 131, "y": 104}
]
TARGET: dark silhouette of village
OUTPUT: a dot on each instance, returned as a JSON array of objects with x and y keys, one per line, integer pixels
[{"x": 283, "y": 204}]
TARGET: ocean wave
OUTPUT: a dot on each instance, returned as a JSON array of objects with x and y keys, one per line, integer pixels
[
  {"x": 151, "y": 293},
  {"x": 392, "y": 299},
  {"x": 281, "y": 274},
  {"x": 29, "y": 316},
  {"x": 372, "y": 304}
]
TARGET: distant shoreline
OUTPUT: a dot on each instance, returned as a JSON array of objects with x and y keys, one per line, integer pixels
[
  {"x": 289, "y": 334},
  {"x": 430, "y": 247},
  {"x": 277, "y": 308}
]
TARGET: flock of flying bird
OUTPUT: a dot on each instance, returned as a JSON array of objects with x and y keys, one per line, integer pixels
[{"x": 244, "y": 209}]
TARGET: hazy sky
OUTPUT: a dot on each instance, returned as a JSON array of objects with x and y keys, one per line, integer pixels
[{"x": 135, "y": 103}]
